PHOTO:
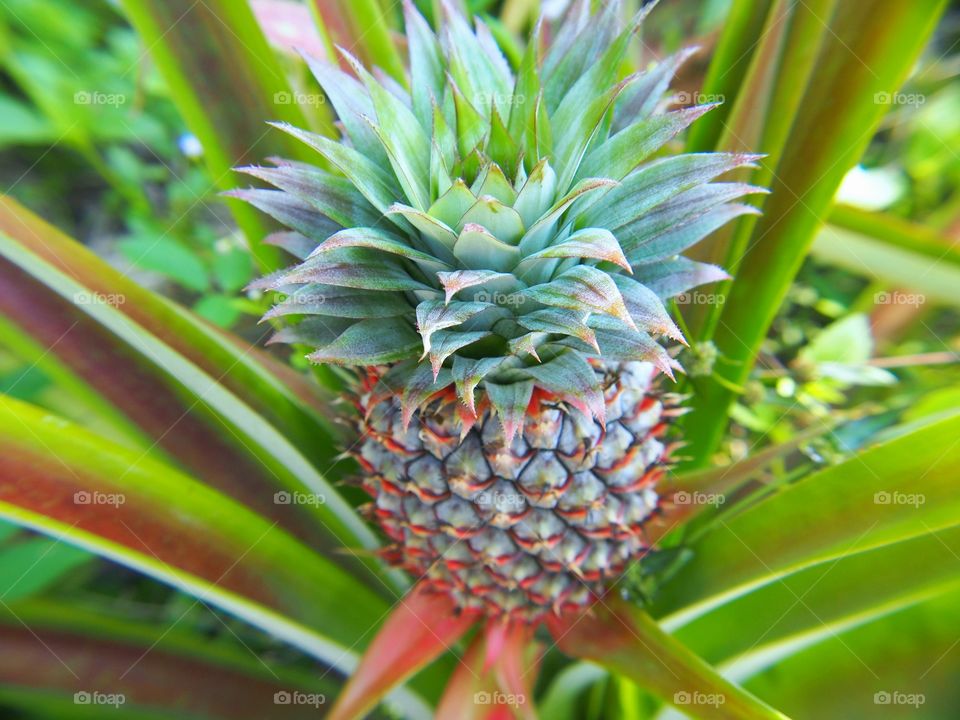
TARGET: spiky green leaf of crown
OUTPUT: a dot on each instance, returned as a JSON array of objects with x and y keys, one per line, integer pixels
[{"x": 494, "y": 230}]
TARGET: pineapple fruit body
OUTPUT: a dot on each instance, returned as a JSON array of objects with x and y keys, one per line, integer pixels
[
  {"x": 494, "y": 247},
  {"x": 534, "y": 526}
]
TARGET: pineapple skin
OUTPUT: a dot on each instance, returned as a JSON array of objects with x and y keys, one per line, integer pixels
[{"x": 540, "y": 526}]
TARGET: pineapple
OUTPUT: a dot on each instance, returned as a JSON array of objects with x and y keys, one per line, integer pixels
[{"x": 492, "y": 250}]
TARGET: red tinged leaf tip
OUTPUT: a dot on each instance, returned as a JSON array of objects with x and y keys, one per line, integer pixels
[
  {"x": 422, "y": 627},
  {"x": 496, "y": 632},
  {"x": 514, "y": 673},
  {"x": 457, "y": 280},
  {"x": 495, "y": 677},
  {"x": 596, "y": 632},
  {"x": 468, "y": 684}
]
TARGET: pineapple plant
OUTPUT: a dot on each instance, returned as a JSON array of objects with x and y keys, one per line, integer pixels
[
  {"x": 493, "y": 258},
  {"x": 490, "y": 237}
]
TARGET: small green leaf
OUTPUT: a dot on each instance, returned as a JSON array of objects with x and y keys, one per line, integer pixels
[
  {"x": 847, "y": 340},
  {"x": 621, "y": 154},
  {"x": 350, "y": 267},
  {"x": 501, "y": 221},
  {"x": 405, "y": 141},
  {"x": 560, "y": 322},
  {"x": 537, "y": 193},
  {"x": 467, "y": 374},
  {"x": 333, "y": 196},
  {"x": 583, "y": 288},
  {"x": 572, "y": 378},
  {"x": 381, "y": 241},
  {"x": 370, "y": 342},
  {"x": 477, "y": 248},
  {"x": 221, "y": 310},
  {"x": 433, "y": 315},
  {"x": 454, "y": 282},
  {"x": 290, "y": 210},
  {"x": 453, "y": 204},
  {"x": 170, "y": 258},
  {"x": 592, "y": 243},
  {"x": 232, "y": 269},
  {"x": 510, "y": 404},
  {"x": 426, "y": 64}
]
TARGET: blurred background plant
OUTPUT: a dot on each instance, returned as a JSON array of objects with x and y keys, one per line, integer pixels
[{"x": 119, "y": 122}]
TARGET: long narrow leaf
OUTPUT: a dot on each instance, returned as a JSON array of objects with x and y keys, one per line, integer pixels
[
  {"x": 893, "y": 251},
  {"x": 422, "y": 627},
  {"x": 781, "y": 619},
  {"x": 184, "y": 409},
  {"x": 837, "y": 117},
  {"x": 365, "y": 33},
  {"x": 71, "y": 654},
  {"x": 64, "y": 481},
  {"x": 901, "y": 489},
  {"x": 269, "y": 387},
  {"x": 729, "y": 66},
  {"x": 625, "y": 640},
  {"x": 903, "y": 665}
]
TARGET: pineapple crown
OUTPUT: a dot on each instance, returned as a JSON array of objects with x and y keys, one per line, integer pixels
[{"x": 496, "y": 231}]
